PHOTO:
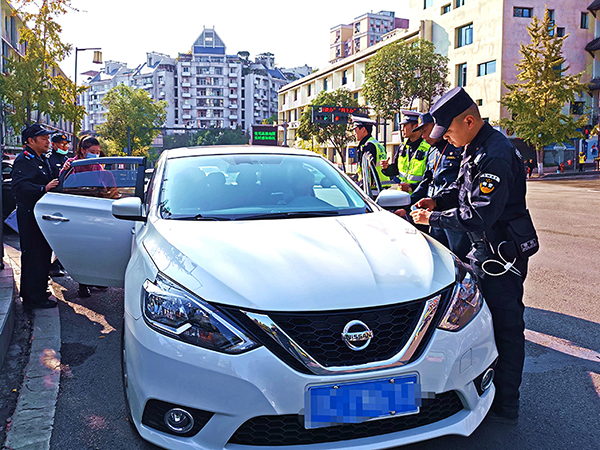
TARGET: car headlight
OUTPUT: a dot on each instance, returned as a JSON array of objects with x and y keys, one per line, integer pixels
[
  {"x": 466, "y": 300},
  {"x": 175, "y": 312}
]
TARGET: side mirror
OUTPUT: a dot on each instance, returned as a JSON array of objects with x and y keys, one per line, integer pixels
[
  {"x": 393, "y": 199},
  {"x": 129, "y": 209}
]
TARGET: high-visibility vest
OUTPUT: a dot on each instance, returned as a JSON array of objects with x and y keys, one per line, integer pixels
[
  {"x": 582, "y": 158},
  {"x": 411, "y": 170},
  {"x": 381, "y": 156}
]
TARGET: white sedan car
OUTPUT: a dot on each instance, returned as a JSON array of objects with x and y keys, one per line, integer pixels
[{"x": 270, "y": 303}]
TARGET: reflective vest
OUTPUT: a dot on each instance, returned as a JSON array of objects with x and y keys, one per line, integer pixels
[
  {"x": 582, "y": 158},
  {"x": 411, "y": 171},
  {"x": 381, "y": 156}
]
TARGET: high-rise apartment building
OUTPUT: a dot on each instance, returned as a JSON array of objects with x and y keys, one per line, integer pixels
[{"x": 366, "y": 30}]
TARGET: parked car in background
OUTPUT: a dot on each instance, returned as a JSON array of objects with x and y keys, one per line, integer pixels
[
  {"x": 269, "y": 302},
  {"x": 8, "y": 202}
]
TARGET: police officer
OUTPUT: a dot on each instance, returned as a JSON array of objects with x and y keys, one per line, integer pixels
[
  {"x": 58, "y": 155},
  {"x": 488, "y": 202},
  {"x": 443, "y": 163},
  {"x": 31, "y": 179},
  {"x": 363, "y": 129},
  {"x": 410, "y": 159}
]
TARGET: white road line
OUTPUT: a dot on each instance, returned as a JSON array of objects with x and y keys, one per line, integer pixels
[{"x": 562, "y": 345}]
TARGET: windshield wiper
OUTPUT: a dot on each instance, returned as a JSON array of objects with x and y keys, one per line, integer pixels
[
  {"x": 289, "y": 215},
  {"x": 200, "y": 217}
]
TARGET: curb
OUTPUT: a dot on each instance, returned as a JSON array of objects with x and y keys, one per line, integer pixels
[
  {"x": 569, "y": 175},
  {"x": 7, "y": 310}
]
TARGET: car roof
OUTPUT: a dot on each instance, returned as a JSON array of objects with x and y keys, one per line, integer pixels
[{"x": 236, "y": 150}]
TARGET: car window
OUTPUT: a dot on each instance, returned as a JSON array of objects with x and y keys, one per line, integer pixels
[
  {"x": 240, "y": 186},
  {"x": 106, "y": 181}
]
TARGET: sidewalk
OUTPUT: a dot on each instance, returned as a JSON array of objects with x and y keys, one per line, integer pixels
[
  {"x": 7, "y": 310},
  {"x": 550, "y": 173}
]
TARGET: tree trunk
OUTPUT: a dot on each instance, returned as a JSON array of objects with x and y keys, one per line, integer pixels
[{"x": 539, "y": 151}]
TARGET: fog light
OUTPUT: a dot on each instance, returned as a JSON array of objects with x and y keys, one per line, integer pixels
[
  {"x": 486, "y": 380},
  {"x": 179, "y": 420}
]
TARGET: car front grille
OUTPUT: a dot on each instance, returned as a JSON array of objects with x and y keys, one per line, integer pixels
[{"x": 268, "y": 431}]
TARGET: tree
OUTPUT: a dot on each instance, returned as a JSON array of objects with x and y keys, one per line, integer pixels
[
  {"x": 222, "y": 136},
  {"x": 272, "y": 120},
  {"x": 134, "y": 110},
  {"x": 338, "y": 136},
  {"x": 536, "y": 101},
  {"x": 402, "y": 72},
  {"x": 30, "y": 82}
]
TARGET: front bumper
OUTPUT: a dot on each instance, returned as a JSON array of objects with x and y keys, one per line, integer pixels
[{"x": 239, "y": 388}]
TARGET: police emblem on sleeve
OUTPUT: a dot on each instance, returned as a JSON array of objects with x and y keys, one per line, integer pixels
[{"x": 488, "y": 182}]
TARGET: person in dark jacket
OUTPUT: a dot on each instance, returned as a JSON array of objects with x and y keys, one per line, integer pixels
[
  {"x": 443, "y": 163},
  {"x": 32, "y": 177},
  {"x": 58, "y": 154},
  {"x": 488, "y": 202}
]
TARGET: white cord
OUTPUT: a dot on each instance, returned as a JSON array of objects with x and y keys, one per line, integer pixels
[{"x": 507, "y": 266}]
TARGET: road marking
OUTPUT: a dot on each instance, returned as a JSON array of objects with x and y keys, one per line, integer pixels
[
  {"x": 595, "y": 381},
  {"x": 562, "y": 346}
]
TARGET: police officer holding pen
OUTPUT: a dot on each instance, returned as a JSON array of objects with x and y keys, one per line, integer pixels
[
  {"x": 443, "y": 163},
  {"x": 488, "y": 201},
  {"x": 32, "y": 177},
  {"x": 409, "y": 160}
]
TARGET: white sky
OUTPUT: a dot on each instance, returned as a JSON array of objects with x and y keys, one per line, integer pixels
[{"x": 296, "y": 32}]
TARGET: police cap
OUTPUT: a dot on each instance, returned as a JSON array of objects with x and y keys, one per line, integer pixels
[
  {"x": 34, "y": 130},
  {"x": 361, "y": 121},
  {"x": 450, "y": 105},
  {"x": 409, "y": 116},
  {"x": 60, "y": 137},
  {"x": 424, "y": 119}
]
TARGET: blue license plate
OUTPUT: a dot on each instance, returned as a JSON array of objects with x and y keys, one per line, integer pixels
[{"x": 336, "y": 404}]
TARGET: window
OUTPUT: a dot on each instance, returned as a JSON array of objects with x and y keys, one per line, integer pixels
[
  {"x": 325, "y": 84},
  {"x": 461, "y": 72},
  {"x": 459, "y": 3},
  {"x": 357, "y": 27},
  {"x": 577, "y": 108},
  {"x": 551, "y": 25},
  {"x": 585, "y": 20},
  {"x": 296, "y": 95},
  {"x": 427, "y": 3},
  {"x": 446, "y": 8},
  {"x": 479, "y": 102},
  {"x": 560, "y": 31},
  {"x": 345, "y": 77},
  {"x": 309, "y": 90},
  {"x": 464, "y": 35},
  {"x": 522, "y": 12},
  {"x": 486, "y": 68}
]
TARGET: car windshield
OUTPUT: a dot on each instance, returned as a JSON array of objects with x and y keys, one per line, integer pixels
[{"x": 236, "y": 187}]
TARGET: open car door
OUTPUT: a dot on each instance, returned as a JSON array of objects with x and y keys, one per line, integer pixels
[
  {"x": 77, "y": 219},
  {"x": 371, "y": 184}
]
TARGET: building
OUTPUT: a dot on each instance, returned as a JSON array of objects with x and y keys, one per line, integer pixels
[{"x": 365, "y": 31}]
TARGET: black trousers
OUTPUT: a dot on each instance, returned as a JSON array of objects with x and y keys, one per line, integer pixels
[
  {"x": 504, "y": 297},
  {"x": 35, "y": 258}
]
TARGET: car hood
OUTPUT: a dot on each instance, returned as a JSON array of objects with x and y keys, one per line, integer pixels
[{"x": 308, "y": 264}]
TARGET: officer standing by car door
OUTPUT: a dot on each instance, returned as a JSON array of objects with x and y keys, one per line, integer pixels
[
  {"x": 488, "y": 202},
  {"x": 443, "y": 164},
  {"x": 57, "y": 158},
  {"x": 363, "y": 129},
  {"x": 410, "y": 159},
  {"x": 31, "y": 179}
]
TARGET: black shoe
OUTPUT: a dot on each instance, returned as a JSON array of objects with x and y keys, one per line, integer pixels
[
  {"x": 57, "y": 273},
  {"x": 494, "y": 417},
  {"x": 100, "y": 288},
  {"x": 40, "y": 304},
  {"x": 84, "y": 291}
]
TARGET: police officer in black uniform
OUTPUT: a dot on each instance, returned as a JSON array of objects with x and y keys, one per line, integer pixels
[
  {"x": 443, "y": 163},
  {"x": 58, "y": 154},
  {"x": 488, "y": 201},
  {"x": 31, "y": 179}
]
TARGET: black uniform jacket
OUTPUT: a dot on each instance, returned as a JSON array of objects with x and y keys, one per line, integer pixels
[
  {"x": 364, "y": 146},
  {"x": 31, "y": 173},
  {"x": 443, "y": 164},
  {"x": 57, "y": 161},
  {"x": 408, "y": 147},
  {"x": 489, "y": 191}
]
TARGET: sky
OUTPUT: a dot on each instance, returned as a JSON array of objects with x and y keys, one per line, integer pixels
[{"x": 296, "y": 32}]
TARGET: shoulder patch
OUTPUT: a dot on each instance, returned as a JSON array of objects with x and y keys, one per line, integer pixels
[{"x": 488, "y": 182}]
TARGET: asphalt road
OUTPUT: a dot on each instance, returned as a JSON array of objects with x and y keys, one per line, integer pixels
[{"x": 561, "y": 385}]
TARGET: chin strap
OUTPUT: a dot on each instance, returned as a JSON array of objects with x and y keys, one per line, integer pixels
[{"x": 506, "y": 266}]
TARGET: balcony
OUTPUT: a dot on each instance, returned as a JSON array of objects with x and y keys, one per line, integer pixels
[
  {"x": 186, "y": 95},
  {"x": 186, "y": 116},
  {"x": 233, "y": 95},
  {"x": 233, "y": 117},
  {"x": 233, "y": 85},
  {"x": 186, "y": 106},
  {"x": 186, "y": 63},
  {"x": 186, "y": 84},
  {"x": 161, "y": 94},
  {"x": 233, "y": 106}
]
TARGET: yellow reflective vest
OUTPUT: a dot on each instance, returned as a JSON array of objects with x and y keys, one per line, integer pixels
[
  {"x": 411, "y": 170},
  {"x": 381, "y": 155}
]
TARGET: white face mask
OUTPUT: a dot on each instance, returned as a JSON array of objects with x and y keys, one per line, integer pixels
[{"x": 92, "y": 155}]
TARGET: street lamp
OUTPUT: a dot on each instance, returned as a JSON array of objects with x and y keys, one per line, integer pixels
[{"x": 97, "y": 60}]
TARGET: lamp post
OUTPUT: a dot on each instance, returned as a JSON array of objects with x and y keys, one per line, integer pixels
[{"x": 97, "y": 60}]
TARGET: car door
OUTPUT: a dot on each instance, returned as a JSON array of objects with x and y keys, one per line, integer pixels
[
  {"x": 77, "y": 219},
  {"x": 370, "y": 180}
]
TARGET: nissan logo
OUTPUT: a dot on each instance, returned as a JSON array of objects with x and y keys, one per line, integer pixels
[{"x": 359, "y": 338}]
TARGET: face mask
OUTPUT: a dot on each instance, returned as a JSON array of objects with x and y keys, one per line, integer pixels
[
  {"x": 62, "y": 152},
  {"x": 92, "y": 155}
]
